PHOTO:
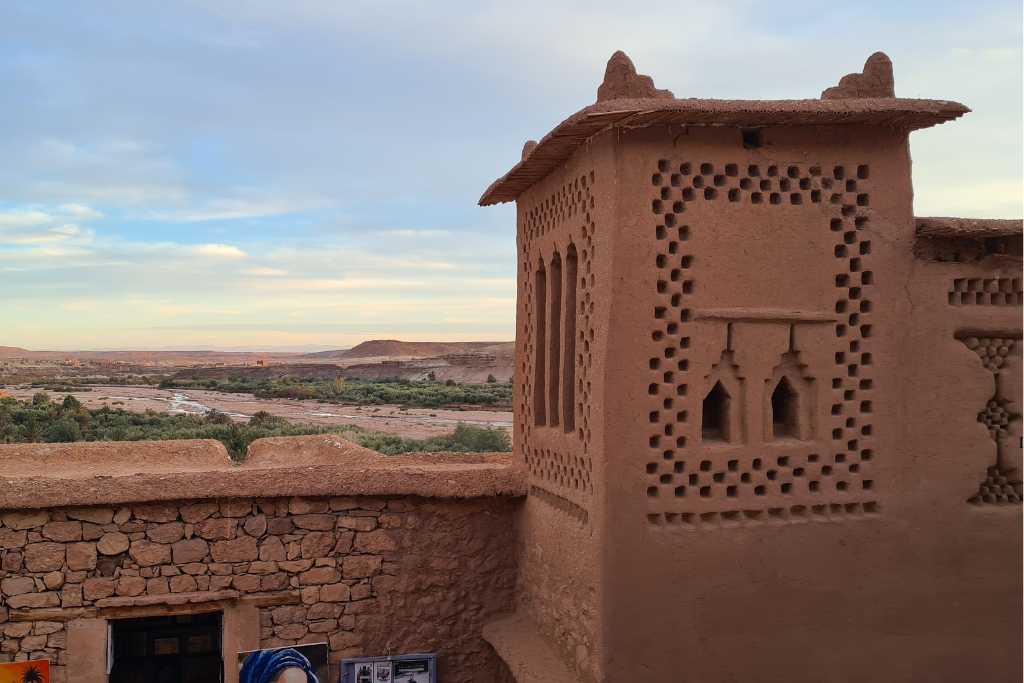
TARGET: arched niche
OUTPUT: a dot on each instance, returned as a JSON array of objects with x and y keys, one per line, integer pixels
[{"x": 788, "y": 410}]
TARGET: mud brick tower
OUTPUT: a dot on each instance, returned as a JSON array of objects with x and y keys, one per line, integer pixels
[{"x": 747, "y": 399}]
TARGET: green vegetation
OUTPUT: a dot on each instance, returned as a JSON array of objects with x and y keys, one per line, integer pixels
[
  {"x": 425, "y": 394},
  {"x": 82, "y": 383},
  {"x": 43, "y": 420}
]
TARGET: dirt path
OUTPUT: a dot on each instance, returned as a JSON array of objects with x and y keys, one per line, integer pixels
[{"x": 417, "y": 423}]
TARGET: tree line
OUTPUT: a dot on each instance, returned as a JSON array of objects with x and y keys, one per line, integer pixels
[{"x": 44, "y": 420}]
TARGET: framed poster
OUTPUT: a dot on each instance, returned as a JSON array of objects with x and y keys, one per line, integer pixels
[
  {"x": 32, "y": 671},
  {"x": 382, "y": 672},
  {"x": 296, "y": 661},
  {"x": 411, "y": 668},
  {"x": 411, "y": 671}
]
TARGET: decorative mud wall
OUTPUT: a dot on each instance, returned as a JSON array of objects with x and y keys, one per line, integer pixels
[
  {"x": 769, "y": 451},
  {"x": 368, "y": 574},
  {"x": 562, "y": 232},
  {"x": 804, "y": 432}
]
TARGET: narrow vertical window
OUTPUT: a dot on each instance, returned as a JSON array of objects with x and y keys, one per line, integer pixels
[
  {"x": 569, "y": 346},
  {"x": 540, "y": 299},
  {"x": 554, "y": 336},
  {"x": 715, "y": 415},
  {"x": 784, "y": 410}
]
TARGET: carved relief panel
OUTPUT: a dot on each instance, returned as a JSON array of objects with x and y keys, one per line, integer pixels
[{"x": 759, "y": 413}]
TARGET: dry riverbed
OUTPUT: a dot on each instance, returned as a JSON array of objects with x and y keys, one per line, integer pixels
[{"x": 413, "y": 423}]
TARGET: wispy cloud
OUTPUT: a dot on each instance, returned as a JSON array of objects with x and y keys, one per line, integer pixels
[
  {"x": 237, "y": 209},
  {"x": 23, "y": 218},
  {"x": 226, "y": 251},
  {"x": 325, "y": 284},
  {"x": 223, "y": 171},
  {"x": 263, "y": 271},
  {"x": 32, "y": 226}
]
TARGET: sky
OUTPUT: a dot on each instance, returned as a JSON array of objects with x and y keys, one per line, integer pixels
[{"x": 304, "y": 175}]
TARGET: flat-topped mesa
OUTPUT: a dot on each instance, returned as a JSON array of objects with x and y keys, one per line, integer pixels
[
  {"x": 874, "y": 81},
  {"x": 622, "y": 81},
  {"x": 627, "y": 99}
]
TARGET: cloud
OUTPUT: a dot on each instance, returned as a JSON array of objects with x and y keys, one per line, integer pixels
[
  {"x": 219, "y": 170},
  {"x": 326, "y": 284},
  {"x": 23, "y": 218},
  {"x": 265, "y": 272},
  {"x": 54, "y": 234},
  {"x": 415, "y": 234},
  {"x": 219, "y": 251},
  {"x": 80, "y": 305},
  {"x": 81, "y": 211},
  {"x": 115, "y": 171},
  {"x": 236, "y": 209},
  {"x": 30, "y": 226}
]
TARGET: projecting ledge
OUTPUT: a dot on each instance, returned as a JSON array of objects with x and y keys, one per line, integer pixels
[
  {"x": 769, "y": 315},
  {"x": 34, "y": 476},
  {"x": 525, "y": 652}
]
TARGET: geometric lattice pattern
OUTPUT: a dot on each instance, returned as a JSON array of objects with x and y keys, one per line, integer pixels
[
  {"x": 844, "y": 470},
  {"x": 817, "y": 512},
  {"x": 566, "y": 216},
  {"x": 998, "y": 488},
  {"x": 996, "y": 417},
  {"x": 993, "y": 351},
  {"x": 754, "y": 477},
  {"x": 1002, "y": 482},
  {"x": 561, "y": 469},
  {"x": 986, "y": 292}
]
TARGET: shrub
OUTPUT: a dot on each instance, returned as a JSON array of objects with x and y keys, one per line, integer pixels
[
  {"x": 425, "y": 394},
  {"x": 28, "y": 422},
  {"x": 64, "y": 430},
  {"x": 215, "y": 417},
  {"x": 266, "y": 420}
]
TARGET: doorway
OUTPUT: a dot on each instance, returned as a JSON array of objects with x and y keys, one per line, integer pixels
[{"x": 178, "y": 649}]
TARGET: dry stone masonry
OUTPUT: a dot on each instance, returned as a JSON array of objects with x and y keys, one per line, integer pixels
[{"x": 362, "y": 574}]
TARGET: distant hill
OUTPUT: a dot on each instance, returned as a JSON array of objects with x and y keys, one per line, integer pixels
[
  {"x": 393, "y": 348},
  {"x": 147, "y": 357},
  {"x": 12, "y": 352},
  {"x": 376, "y": 348}
]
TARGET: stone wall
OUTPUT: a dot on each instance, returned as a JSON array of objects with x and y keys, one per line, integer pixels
[{"x": 368, "y": 575}]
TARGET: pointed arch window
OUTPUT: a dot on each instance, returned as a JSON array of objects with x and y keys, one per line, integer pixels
[
  {"x": 715, "y": 414},
  {"x": 785, "y": 411}
]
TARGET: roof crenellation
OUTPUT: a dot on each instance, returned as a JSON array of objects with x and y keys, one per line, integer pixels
[{"x": 628, "y": 98}]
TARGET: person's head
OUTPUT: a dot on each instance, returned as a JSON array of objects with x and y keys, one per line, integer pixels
[{"x": 277, "y": 666}]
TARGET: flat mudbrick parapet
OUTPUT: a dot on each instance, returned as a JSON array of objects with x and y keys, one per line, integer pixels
[{"x": 34, "y": 476}]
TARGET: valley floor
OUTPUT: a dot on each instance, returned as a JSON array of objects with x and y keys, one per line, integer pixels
[{"x": 410, "y": 423}]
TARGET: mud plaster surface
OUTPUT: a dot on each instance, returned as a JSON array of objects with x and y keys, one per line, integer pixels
[{"x": 102, "y": 473}]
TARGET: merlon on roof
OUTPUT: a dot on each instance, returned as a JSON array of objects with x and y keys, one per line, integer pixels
[{"x": 628, "y": 98}]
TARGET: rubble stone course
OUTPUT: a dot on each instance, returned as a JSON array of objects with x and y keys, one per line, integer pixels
[{"x": 351, "y": 570}]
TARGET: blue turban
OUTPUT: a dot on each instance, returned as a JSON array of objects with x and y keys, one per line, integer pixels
[{"x": 265, "y": 665}]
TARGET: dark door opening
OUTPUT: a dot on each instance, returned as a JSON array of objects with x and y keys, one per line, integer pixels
[{"x": 178, "y": 649}]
